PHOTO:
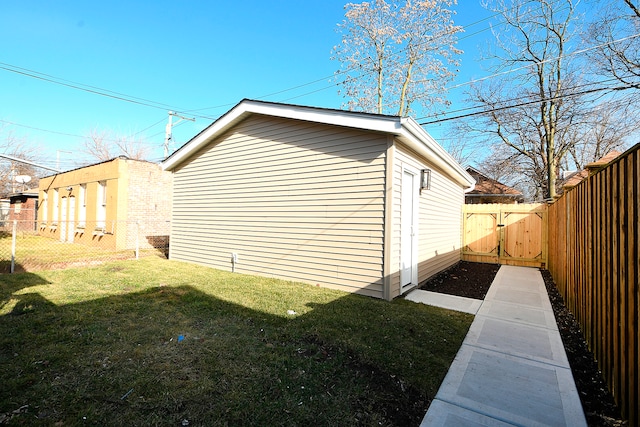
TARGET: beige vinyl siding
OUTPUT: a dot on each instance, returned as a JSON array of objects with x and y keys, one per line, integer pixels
[
  {"x": 441, "y": 220},
  {"x": 440, "y": 216},
  {"x": 294, "y": 200}
]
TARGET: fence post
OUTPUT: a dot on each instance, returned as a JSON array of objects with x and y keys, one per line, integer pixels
[
  {"x": 137, "y": 239},
  {"x": 13, "y": 245}
]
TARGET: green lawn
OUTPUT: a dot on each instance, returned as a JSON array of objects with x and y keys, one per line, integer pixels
[{"x": 157, "y": 342}]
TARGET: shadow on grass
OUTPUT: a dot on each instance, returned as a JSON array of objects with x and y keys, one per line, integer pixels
[
  {"x": 5, "y": 267},
  {"x": 11, "y": 284},
  {"x": 174, "y": 354}
]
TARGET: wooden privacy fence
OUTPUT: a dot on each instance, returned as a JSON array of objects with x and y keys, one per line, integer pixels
[
  {"x": 594, "y": 260},
  {"x": 505, "y": 234}
]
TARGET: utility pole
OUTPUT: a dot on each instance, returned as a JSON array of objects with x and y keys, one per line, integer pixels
[
  {"x": 168, "y": 137},
  {"x": 167, "y": 134}
]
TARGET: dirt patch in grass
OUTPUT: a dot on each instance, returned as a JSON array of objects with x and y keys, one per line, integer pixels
[{"x": 472, "y": 280}]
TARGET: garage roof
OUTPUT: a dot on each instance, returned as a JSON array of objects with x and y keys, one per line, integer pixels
[{"x": 406, "y": 129}]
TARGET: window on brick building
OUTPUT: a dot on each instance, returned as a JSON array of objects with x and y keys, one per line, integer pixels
[
  {"x": 101, "y": 211},
  {"x": 44, "y": 207},
  {"x": 82, "y": 213},
  {"x": 56, "y": 206}
]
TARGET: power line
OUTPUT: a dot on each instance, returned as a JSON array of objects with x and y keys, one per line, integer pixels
[
  {"x": 88, "y": 88},
  {"x": 577, "y": 52},
  {"x": 40, "y": 129},
  {"x": 522, "y": 104},
  {"x": 79, "y": 86},
  {"x": 502, "y": 101},
  {"x": 175, "y": 126},
  {"x": 69, "y": 134},
  {"x": 150, "y": 126},
  {"x": 269, "y": 94}
]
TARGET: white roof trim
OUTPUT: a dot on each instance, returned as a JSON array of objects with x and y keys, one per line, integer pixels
[
  {"x": 421, "y": 142},
  {"x": 407, "y": 129}
]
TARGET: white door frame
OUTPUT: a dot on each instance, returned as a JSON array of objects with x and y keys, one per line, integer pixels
[{"x": 409, "y": 228}]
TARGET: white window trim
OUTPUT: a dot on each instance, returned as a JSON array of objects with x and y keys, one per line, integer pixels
[{"x": 101, "y": 213}]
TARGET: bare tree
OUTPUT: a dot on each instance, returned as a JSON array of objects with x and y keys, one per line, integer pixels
[
  {"x": 604, "y": 127},
  {"x": 396, "y": 56},
  {"x": 461, "y": 148},
  {"x": 534, "y": 40},
  {"x": 102, "y": 145},
  {"x": 543, "y": 104},
  {"x": 616, "y": 33},
  {"x": 17, "y": 147},
  {"x": 509, "y": 168}
]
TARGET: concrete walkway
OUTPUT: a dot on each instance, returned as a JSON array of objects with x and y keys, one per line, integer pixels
[
  {"x": 512, "y": 368},
  {"x": 451, "y": 302}
]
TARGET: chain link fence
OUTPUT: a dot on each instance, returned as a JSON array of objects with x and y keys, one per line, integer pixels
[{"x": 27, "y": 245}]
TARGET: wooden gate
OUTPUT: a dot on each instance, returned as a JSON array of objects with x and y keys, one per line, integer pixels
[{"x": 505, "y": 234}]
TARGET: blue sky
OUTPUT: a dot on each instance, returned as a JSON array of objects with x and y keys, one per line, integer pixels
[{"x": 197, "y": 55}]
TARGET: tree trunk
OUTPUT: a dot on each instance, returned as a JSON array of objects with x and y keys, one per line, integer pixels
[
  {"x": 403, "y": 92},
  {"x": 551, "y": 164},
  {"x": 380, "y": 82}
]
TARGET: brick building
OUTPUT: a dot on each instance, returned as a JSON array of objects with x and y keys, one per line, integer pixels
[
  {"x": 21, "y": 207},
  {"x": 108, "y": 204}
]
